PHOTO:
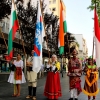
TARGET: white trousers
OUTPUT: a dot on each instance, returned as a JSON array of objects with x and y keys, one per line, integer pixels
[{"x": 74, "y": 93}]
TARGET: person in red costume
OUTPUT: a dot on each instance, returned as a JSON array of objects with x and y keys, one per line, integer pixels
[
  {"x": 74, "y": 73},
  {"x": 52, "y": 88}
]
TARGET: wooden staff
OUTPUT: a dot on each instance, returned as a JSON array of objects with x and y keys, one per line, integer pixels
[
  {"x": 93, "y": 40},
  {"x": 93, "y": 49},
  {"x": 22, "y": 42},
  {"x": 44, "y": 27},
  {"x": 4, "y": 39}
]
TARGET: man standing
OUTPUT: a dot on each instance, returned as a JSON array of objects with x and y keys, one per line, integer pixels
[
  {"x": 31, "y": 78},
  {"x": 74, "y": 73}
]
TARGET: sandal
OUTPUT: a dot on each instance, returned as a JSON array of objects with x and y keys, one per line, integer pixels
[
  {"x": 14, "y": 95},
  {"x": 34, "y": 98},
  {"x": 27, "y": 97},
  {"x": 17, "y": 95}
]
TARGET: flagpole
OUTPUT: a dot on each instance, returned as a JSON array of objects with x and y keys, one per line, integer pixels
[
  {"x": 20, "y": 30},
  {"x": 93, "y": 40},
  {"x": 44, "y": 29},
  {"x": 22, "y": 45},
  {"x": 3, "y": 38},
  {"x": 22, "y": 41}
]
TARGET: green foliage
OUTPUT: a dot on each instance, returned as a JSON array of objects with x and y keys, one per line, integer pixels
[
  {"x": 77, "y": 44},
  {"x": 92, "y": 6}
]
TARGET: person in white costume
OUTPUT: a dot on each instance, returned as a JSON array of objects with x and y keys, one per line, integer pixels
[
  {"x": 31, "y": 78},
  {"x": 17, "y": 76}
]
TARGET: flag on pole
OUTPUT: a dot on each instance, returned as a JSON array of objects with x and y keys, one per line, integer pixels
[
  {"x": 97, "y": 38},
  {"x": 12, "y": 31},
  {"x": 37, "y": 58},
  {"x": 62, "y": 29}
]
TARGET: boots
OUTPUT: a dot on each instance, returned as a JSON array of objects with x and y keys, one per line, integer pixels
[
  {"x": 29, "y": 92},
  {"x": 34, "y": 93},
  {"x": 71, "y": 99},
  {"x": 76, "y": 98}
]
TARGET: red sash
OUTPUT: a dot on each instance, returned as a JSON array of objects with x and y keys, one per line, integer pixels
[{"x": 18, "y": 73}]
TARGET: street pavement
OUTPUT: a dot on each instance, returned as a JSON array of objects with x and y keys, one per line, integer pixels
[{"x": 6, "y": 90}]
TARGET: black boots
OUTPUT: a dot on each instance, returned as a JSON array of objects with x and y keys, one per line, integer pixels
[
  {"x": 30, "y": 90},
  {"x": 71, "y": 99},
  {"x": 34, "y": 91},
  {"x": 76, "y": 99}
]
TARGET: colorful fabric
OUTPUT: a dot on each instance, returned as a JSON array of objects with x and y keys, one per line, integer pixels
[
  {"x": 62, "y": 30},
  {"x": 91, "y": 78},
  {"x": 12, "y": 32},
  {"x": 18, "y": 73},
  {"x": 52, "y": 87},
  {"x": 74, "y": 73},
  {"x": 97, "y": 38},
  {"x": 37, "y": 58},
  {"x": 57, "y": 64}
]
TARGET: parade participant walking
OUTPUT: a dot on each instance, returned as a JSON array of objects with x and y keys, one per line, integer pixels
[
  {"x": 91, "y": 78},
  {"x": 74, "y": 73},
  {"x": 31, "y": 78},
  {"x": 16, "y": 76},
  {"x": 52, "y": 87}
]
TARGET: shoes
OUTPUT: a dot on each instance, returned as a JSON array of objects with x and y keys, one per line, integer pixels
[
  {"x": 17, "y": 95},
  {"x": 14, "y": 95},
  {"x": 71, "y": 99},
  {"x": 34, "y": 98},
  {"x": 27, "y": 97},
  {"x": 76, "y": 99}
]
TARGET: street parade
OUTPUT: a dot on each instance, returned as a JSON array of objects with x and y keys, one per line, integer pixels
[{"x": 49, "y": 50}]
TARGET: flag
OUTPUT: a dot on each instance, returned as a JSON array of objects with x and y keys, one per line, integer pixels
[
  {"x": 12, "y": 31},
  {"x": 37, "y": 57},
  {"x": 97, "y": 38},
  {"x": 62, "y": 29}
]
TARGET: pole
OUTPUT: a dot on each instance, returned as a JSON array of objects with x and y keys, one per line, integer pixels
[
  {"x": 44, "y": 29},
  {"x": 3, "y": 38},
  {"x": 19, "y": 30},
  {"x": 22, "y": 41},
  {"x": 62, "y": 65},
  {"x": 93, "y": 50}
]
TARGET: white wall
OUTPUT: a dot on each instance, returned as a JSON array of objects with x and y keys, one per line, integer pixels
[{"x": 79, "y": 38}]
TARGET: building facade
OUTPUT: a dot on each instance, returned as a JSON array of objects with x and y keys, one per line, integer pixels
[
  {"x": 83, "y": 50},
  {"x": 54, "y": 6}
]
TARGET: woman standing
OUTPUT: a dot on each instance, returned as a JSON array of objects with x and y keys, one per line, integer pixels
[
  {"x": 91, "y": 78},
  {"x": 17, "y": 77},
  {"x": 52, "y": 87}
]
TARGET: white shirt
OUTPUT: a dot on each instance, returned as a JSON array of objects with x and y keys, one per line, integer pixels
[
  {"x": 18, "y": 63},
  {"x": 53, "y": 67}
]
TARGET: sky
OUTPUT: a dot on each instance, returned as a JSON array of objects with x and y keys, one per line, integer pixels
[{"x": 79, "y": 20}]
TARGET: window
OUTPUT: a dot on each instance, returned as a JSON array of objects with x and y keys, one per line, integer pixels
[
  {"x": 54, "y": 1},
  {"x": 53, "y": 9}
]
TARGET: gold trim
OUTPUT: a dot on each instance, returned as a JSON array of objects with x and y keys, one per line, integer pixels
[
  {"x": 90, "y": 94},
  {"x": 94, "y": 80},
  {"x": 53, "y": 93}
]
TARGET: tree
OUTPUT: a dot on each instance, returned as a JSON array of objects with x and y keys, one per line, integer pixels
[
  {"x": 27, "y": 21},
  {"x": 92, "y": 6},
  {"x": 5, "y": 8}
]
